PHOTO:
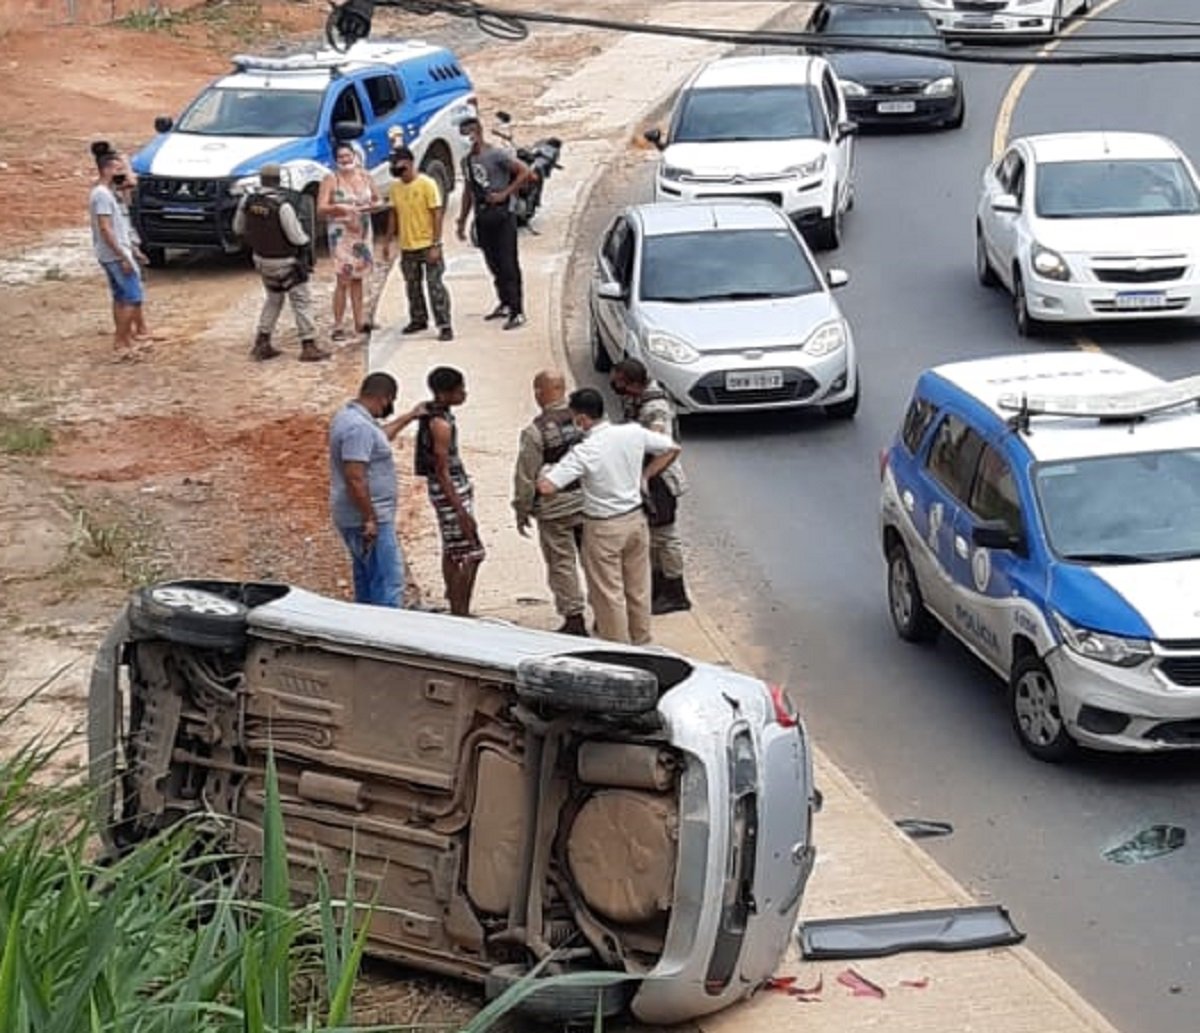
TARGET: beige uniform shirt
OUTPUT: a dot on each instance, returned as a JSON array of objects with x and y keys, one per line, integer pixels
[
  {"x": 658, "y": 414},
  {"x": 525, "y": 500}
]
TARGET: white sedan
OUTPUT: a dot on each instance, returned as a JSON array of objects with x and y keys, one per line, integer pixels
[
  {"x": 1008, "y": 17},
  {"x": 1091, "y": 226}
]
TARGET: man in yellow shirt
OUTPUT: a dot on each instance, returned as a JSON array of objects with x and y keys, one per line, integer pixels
[{"x": 416, "y": 221}]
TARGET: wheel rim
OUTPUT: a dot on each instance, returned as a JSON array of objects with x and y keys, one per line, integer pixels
[
  {"x": 1036, "y": 707},
  {"x": 900, "y": 592},
  {"x": 195, "y": 600}
]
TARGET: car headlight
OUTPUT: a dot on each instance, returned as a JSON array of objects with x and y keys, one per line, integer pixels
[
  {"x": 1049, "y": 264},
  {"x": 674, "y": 172},
  {"x": 671, "y": 349},
  {"x": 943, "y": 87},
  {"x": 826, "y": 339},
  {"x": 1096, "y": 645},
  {"x": 808, "y": 168},
  {"x": 853, "y": 89}
]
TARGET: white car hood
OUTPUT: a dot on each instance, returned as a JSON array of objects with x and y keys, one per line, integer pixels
[
  {"x": 734, "y": 326},
  {"x": 745, "y": 157},
  {"x": 194, "y": 155},
  {"x": 1144, "y": 235},
  {"x": 1167, "y": 595}
]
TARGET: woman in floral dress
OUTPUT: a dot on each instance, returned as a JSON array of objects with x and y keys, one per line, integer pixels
[{"x": 347, "y": 198}]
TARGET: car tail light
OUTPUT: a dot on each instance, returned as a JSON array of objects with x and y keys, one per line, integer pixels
[{"x": 785, "y": 713}]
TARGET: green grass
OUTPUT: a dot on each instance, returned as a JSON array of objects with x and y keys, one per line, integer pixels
[{"x": 24, "y": 437}]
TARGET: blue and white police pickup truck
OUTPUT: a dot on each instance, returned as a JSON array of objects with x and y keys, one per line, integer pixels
[
  {"x": 1045, "y": 510},
  {"x": 292, "y": 111}
]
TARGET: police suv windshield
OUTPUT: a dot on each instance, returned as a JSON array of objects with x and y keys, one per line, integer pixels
[
  {"x": 1114, "y": 189},
  {"x": 725, "y": 265},
  {"x": 250, "y": 111},
  {"x": 1138, "y": 508},
  {"x": 748, "y": 113}
]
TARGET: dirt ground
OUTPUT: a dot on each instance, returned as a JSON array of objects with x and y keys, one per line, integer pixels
[{"x": 193, "y": 461}]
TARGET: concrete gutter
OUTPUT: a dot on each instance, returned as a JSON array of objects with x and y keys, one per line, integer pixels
[{"x": 865, "y": 864}]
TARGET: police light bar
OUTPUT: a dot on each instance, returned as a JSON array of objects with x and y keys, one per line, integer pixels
[
  {"x": 294, "y": 63},
  {"x": 1143, "y": 401}
]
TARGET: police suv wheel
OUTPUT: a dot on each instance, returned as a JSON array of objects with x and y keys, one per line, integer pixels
[
  {"x": 1035, "y": 713},
  {"x": 912, "y": 621}
]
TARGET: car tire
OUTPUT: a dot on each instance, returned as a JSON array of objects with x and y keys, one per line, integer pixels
[
  {"x": 960, "y": 116},
  {"x": 189, "y": 617},
  {"x": 846, "y": 410},
  {"x": 829, "y": 231},
  {"x": 1034, "y": 711},
  {"x": 912, "y": 621},
  {"x": 983, "y": 264},
  {"x": 436, "y": 167},
  {"x": 601, "y": 360},
  {"x": 557, "y": 1004},
  {"x": 1027, "y": 326},
  {"x": 587, "y": 686}
]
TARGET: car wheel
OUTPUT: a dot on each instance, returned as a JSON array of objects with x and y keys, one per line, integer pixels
[
  {"x": 188, "y": 616},
  {"x": 1036, "y": 717},
  {"x": 829, "y": 231},
  {"x": 601, "y": 360},
  {"x": 1027, "y": 326},
  {"x": 983, "y": 265},
  {"x": 850, "y": 198},
  {"x": 912, "y": 621},
  {"x": 437, "y": 168},
  {"x": 559, "y": 1004},
  {"x": 846, "y": 410},
  {"x": 588, "y": 686}
]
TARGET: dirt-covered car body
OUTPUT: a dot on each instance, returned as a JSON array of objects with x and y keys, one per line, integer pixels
[{"x": 507, "y": 794}]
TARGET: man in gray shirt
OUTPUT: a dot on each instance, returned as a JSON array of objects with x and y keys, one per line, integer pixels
[
  {"x": 114, "y": 249},
  {"x": 362, "y": 488}
]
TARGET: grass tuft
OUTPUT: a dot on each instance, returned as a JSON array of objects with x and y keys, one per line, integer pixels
[{"x": 24, "y": 437}]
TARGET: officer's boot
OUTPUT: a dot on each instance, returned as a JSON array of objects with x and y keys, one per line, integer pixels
[
  {"x": 263, "y": 348},
  {"x": 658, "y": 589},
  {"x": 574, "y": 625},
  {"x": 309, "y": 352},
  {"x": 674, "y": 597}
]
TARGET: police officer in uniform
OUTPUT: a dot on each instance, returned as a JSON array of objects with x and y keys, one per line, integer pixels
[
  {"x": 644, "y": 401},
  {"x": 268, "y": 220},
  {"x": 560, "y": 516}
]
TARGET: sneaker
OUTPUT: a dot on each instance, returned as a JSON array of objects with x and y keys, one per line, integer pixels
[
  {"x": 445, "y": 334},
  {"x": 414, "y": 328},
  {"x": 309, "y": 352},
  {"x": 499, "y": 312},
  {"x": 515, "y": 320}
]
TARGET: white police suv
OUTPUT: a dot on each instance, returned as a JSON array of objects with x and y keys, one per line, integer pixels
[
  {"x": 292, "y": 111},
  {"x": 1045, "y": 509}
]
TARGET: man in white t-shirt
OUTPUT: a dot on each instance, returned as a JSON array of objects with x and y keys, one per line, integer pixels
[
  {"x": 610, "y": 466},
  {"x": 115, "y": 250}
]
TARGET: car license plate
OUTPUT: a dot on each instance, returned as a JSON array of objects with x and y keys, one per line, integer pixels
[
  {"x": 896, "y": 107},
  {"x": 977, "y": 21},
  {"x": 754, "y": 380},
  {"x": 1141, "y": 299}
]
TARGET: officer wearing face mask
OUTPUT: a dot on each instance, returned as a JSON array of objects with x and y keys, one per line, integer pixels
[{"x": 363, "y": 490}]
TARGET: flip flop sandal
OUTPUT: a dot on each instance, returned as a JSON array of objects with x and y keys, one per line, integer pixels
[{"x": 338, "y": 334}]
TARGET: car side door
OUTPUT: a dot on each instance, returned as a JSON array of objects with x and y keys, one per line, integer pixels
[
  {"x": 344, "y": 106},
  {"x": 614, "y": 273},
  {"x": 385, "y": 101},
  {"x": 1004, "y": 232},
  {"x": 842, "y": 142}
]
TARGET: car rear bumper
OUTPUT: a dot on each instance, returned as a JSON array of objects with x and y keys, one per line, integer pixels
[{"x": 961, "y": 25}]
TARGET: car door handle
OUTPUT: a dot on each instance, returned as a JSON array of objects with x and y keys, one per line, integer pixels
[{"x": 960, "y": 546}]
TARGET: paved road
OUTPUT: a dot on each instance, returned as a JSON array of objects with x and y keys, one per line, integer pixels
[{"x": 783, "y": 512}]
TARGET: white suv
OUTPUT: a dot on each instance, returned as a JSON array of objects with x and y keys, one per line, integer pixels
[{"x": 773, "y": 128}]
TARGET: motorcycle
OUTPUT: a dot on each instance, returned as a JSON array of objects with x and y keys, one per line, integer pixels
[{"x": 542, "y": 159}]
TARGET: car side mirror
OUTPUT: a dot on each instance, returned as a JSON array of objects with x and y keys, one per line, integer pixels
[
  {"x": 163, "y": 124},
  {"x": 837, "y": 278},
  {"x": 655, "y": 137},
  {"x": 845, "y": 129},
  {"x": 1006, "y": 203},
  {"x": 347, "y": 130},
  {"x": 995, "y": 534},
  {"x": 610, "y": 290}
]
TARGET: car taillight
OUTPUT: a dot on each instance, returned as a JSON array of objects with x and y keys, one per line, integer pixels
[{"x": 785, "y": 713}]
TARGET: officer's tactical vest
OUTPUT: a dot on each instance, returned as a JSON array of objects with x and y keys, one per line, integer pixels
[{"x": 264, "y": 232}]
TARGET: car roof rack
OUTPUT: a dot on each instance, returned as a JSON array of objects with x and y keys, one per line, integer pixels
[{"x": 1120, "y": 405}]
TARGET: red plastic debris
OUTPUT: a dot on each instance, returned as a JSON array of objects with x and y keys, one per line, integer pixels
[
  {"x": 916, "y": 984},
  {"x": 780, "y": 983},
  {"x": 808, "y": 994},
  {"x": 859, "y": 985}
]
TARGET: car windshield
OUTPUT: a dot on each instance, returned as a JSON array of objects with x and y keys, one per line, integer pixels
[
  {"x": 1122, "y": 509},
  {"x": 725, "y": 265},
  {"x": 222, "y": 111},
  {"x": 748, "y": 113},
  {"x": 1115, "y": 189},
  {"x": 897, "y": 26}
]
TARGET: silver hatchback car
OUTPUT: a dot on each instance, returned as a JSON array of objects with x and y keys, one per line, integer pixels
[
  {"x": 508, "y": 795},
  {"x": 724, "y": 303}
]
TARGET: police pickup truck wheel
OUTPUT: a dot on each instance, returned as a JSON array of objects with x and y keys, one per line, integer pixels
[
  {"x": 912, "y": 621},
  {"x": 1036, "y": 717},
  {"x": 557, "y": 1004},
  {"x": 188, "y": 616},
  {"x": 586, "y": 685}
]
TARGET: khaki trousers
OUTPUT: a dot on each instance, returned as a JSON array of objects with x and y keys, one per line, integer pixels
[
  {"x": 559, "y": 539},
  {"x": 275, "y": 271},
  {"x": 616, "y": 563},
  {"x": 666, "y": 550}
]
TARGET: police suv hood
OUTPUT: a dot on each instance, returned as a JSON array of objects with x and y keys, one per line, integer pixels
[
  {"x": 736, "y": 326},
  {"x": 743, "y": 157},
  {"x": 196, "y": 156},
  {"x": 1137, "y": 600}
]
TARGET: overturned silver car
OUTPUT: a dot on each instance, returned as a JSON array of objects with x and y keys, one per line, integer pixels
[{"x": 508, "y": 794}]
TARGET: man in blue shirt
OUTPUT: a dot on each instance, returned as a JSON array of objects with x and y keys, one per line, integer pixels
[{"x": 363, "y": 490}]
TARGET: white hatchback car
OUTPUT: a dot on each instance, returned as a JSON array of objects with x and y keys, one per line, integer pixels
[
  {"x": 1007, "y": 17},
  {"x": 773, "y": 128},
  {"x": 1091, "y": 226}
]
